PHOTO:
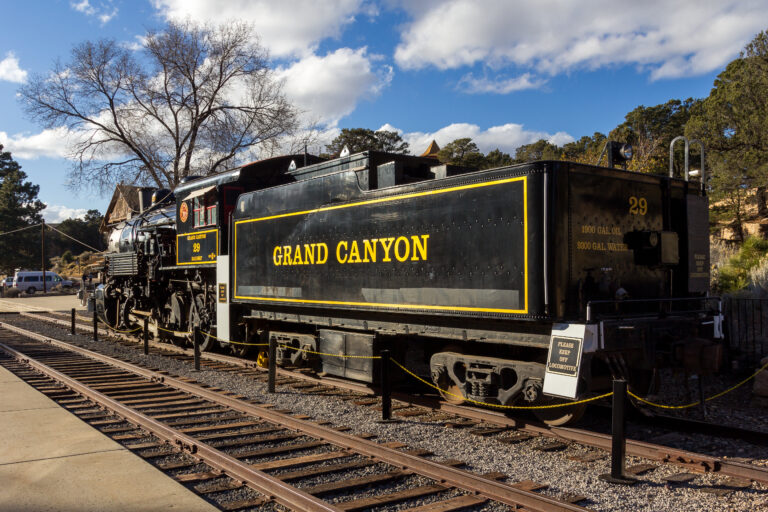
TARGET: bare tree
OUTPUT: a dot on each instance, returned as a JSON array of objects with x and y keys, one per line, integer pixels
[{"x": 196, "y": 100}]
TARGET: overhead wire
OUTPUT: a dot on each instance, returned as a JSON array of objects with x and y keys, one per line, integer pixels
[
  {"x": 21, "y": 229},
  {"x": 74, "y": 239}
]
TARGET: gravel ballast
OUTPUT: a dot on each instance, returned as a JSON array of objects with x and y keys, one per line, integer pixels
[{"x": 482, "y": 454}]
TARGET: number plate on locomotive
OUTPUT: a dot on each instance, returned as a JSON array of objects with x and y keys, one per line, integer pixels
[{"x": 197, "y": 247}]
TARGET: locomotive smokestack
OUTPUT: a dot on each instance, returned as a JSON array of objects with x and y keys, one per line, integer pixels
[{"x": 145, "y": 198}]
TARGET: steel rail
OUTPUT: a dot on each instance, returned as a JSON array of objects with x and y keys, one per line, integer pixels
[
  {"x": 460, "y": 479},
  {"x": 267, "y": 485},
  {"x": 689, "y": 460},
  {"x": 220, "y": 358}
]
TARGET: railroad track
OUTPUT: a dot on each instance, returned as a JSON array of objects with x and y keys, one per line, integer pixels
[
  {"x": 485, "y": 422},
  {"x": 278, "y": 455}
]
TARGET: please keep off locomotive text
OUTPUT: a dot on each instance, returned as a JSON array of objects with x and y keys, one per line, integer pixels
[{"x": 402, "y": 248}]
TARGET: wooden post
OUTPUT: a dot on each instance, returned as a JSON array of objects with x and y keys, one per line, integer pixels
[
  {"x": 95, "y": 325},
  {"x": 72, "y": 327}
]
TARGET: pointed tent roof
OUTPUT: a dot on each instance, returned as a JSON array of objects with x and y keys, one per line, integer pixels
[{"x": 431, "y": 150}]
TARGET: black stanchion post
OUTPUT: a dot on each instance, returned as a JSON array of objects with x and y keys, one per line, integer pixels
[
  {"x": 95, "y": 326},
  {"x": 386, "y": 388},
  {"x": 619, "y": 441},
  {"x": 272, "y": 355},
  {"x": 146, "y": 336},
  {"x": 196, "y": 339},
  {"x": 72, "y": 323}
]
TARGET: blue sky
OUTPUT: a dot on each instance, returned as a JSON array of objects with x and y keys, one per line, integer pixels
[{"x": 505, "y": 73}]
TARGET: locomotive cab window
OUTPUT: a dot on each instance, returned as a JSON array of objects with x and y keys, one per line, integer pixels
[{"x": 205, "y": 211}]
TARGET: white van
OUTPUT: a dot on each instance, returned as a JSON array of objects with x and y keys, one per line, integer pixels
[{"x": 32, "y": 280}]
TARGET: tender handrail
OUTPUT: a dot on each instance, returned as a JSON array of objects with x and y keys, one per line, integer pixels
[{"x": 672, "y": 156}]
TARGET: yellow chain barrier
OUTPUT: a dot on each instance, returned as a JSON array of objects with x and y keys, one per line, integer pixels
[
  {"x": 343, "y": 356},
  {"x": 174, "y": 332},
  {"x": 477, "y": 402},
  {"x": 686, "y": 406},
  {"x": 122, "y": 332},
  {"x": 109, "y": 326},
  {"x": 132, "y": 330},
  {"x": 235, "y": 342}
]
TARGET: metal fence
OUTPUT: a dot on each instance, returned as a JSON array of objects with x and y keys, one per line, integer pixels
[{"x": 746, "y": 326}]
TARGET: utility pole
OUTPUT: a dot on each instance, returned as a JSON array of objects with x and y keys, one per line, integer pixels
[{"x": 42, "y": 245}]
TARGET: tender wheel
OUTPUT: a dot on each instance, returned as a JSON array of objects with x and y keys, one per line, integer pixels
[
  {"x": 452, "y": 394},
  {"x": 449, "y": 390},
  {"x": 559, "y": 416}
]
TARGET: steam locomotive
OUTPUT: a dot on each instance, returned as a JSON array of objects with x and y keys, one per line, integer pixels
[{"x": 522, "y": 285}]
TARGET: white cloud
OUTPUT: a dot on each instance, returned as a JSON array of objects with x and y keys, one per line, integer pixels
[
  {"x": 329, "y": 87},
  {"x": 51, "y": 143},
  {"x": 106, "y": 16},
  {"x": 669, "y": 39},
  {"x": 138, "y": 43},
  {"x": 55, "y": 213},
  {"x": 84, "y": 7},
  {"x": 10, "y": 70},
  {"x": 104, "y": 11},
  {"x": 507, "y": 137},
  {"x": 289, "y": 28},
  {"x": 472, "y": 85}
]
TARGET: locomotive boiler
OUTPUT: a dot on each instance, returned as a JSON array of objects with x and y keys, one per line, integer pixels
[{"x": 522, "y": 285}]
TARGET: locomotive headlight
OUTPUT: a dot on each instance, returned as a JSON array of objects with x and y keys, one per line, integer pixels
[
  {"x": 626, "y": 151},
  {"x": 618, "y": 153}
]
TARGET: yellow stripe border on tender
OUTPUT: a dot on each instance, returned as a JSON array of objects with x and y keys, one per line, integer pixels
[
  {"x": 523, "y": 311},
  {"x": 197, "y": 233}
]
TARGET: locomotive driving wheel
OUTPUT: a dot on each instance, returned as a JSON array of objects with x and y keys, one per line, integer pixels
[{"x": 200, "y": 316}]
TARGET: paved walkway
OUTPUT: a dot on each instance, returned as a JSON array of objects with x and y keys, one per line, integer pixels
[
  {"x": 50, "y": 460},
  {"x": 40, "y": 302}
]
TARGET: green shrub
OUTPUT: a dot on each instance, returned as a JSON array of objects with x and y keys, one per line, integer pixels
[
  {"x": 67, "y": 258},
  {"x": 12, "y": 292},
  {"x": 735, "y": 275}
]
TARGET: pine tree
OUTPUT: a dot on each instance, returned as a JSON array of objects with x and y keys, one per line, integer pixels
[
  {"x": 19, "y": 208},
  {"x": 364, "y": 139}
]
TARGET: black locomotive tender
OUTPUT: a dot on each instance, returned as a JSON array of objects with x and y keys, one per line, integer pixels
[{"x": 521, "y": 285}]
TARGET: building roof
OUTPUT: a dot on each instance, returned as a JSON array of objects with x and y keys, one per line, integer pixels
[
  {"x": 123, "y": 205},
  {"x": 432, "y": 150}
]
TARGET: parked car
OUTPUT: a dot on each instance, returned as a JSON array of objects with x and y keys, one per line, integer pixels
[
  {"x": 32, "y": 280},
  {"x": 8, "y": 282}
]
